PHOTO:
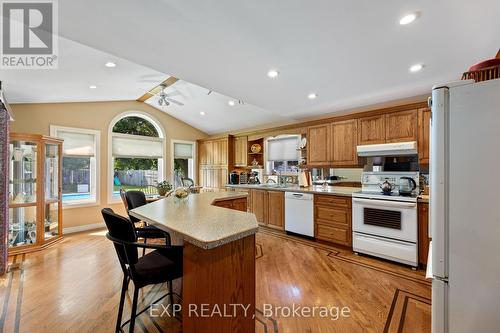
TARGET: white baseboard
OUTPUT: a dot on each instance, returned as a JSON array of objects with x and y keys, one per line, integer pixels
[{"x": 85, "y": 227}]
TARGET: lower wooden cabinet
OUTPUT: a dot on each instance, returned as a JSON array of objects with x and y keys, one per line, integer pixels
[
  {"x": 333, "y": 219},
  {"x": 236, "y": 204},
  {"x": 276, "y": 209},
  {"x": 213, "y": 177},
  {"x": 423, "y": 232},
  {"x": 268, "y": 207}
]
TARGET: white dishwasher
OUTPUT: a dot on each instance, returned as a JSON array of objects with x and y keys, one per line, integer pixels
[{"x": 299, "y": 213}]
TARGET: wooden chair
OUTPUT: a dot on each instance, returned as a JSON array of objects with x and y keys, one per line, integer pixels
[
  {"x": 149, "y": 190},
  {"x": 164, "y": 264}
]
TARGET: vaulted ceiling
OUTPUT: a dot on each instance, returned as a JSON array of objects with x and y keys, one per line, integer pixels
[{"x": 350, "y": 53}]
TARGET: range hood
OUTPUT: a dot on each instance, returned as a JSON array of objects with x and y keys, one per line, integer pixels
[{"x": 388, "y": 149}]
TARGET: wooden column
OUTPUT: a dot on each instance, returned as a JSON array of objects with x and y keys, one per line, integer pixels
[{"x": 221, "y": 278}]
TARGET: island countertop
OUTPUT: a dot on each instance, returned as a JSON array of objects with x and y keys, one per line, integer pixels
[{"x": 199, "y": 222}]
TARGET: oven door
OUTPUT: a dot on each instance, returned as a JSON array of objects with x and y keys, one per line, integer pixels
[{"x": 386, "y": 218}]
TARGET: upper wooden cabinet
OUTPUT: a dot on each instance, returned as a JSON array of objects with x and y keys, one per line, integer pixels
[
  {"x": 240, "y": 151},
  {"x": 371, "y": 130},
  {"x": 401, "y": 126},
  {"x": 344, "y": 142},
  {"x": 424, "y": 134},
  {"x": 318, "y": 144}
]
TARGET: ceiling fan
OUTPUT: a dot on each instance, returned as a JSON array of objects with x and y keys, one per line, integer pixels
[{"x": 165, "y": 99}]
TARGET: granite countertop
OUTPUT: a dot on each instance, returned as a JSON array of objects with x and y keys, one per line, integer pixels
[
  {"x": 331, "y": 190},
  {"x": 423, "y": 198},
  {"x": 197, "y": 221}
]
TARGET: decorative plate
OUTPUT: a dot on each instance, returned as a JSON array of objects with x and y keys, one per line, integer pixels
[{"x": 256, "y": 148}]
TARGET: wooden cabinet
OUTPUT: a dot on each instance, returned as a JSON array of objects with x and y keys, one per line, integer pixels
[
  {"x": 34, "y": 193},
  {"x": 424, "y": 129},
  {"x": 401, "y": 126},
  {"x": 371, "y": 130},
  {"x": 344, "y": 142},
  {"x": 318, "y": 144},
  {"x": 332, "y": 219},
  {"x": 236, "y": 204},
  {"x": 259, "y": 205},
  {"x": 276, "y": 209},
  {"x": 423, "y": 232},
  {"x": 240, "y": 151},
  {"x": 215, "y": 160},
  {"x": 213, "y": 177},
  {"x": 268, "y": 207}
]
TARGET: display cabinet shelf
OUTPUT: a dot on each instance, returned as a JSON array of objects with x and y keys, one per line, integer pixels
[{"x": 35, "y": 192}]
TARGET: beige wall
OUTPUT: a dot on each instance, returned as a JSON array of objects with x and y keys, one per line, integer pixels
[{"x": 37, "y": 118}]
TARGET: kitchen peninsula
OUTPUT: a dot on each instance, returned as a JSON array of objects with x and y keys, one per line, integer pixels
[{"x": 219, "y": 256}]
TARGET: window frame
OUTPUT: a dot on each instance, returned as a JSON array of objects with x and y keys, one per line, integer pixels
[
  {"x": 94, "y": 165},
  {"x": 110, "y": 167},
  {"x": 194, "y": 163}
]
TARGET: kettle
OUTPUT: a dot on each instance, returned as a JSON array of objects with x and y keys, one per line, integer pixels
[
  {"x": 407, "y": 188},
  {"x": 386, "y": 187}
]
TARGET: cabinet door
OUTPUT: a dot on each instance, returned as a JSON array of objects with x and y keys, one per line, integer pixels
[
  {"x": 318, "y": 145},
  {"x": 371, "y": 130},
  {"x": 202, "y": 152},
  {"x": 222, "y": 152},
  {"x": 344, "y": 142},
  {"x": 259, "y": 205},
  {"x": 401, "y": 126},
  {"x": 240, "y": 151},
  {"x": 222, "y": 176},
  {"x": 275, "y": 209},
  {"x": 423, "y": 232},
  {"x": 424, "y": 125},
  {"x": 209, "y": 152}
]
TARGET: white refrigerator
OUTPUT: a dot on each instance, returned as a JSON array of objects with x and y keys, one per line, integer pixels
[{"x": 465, "y": 207}]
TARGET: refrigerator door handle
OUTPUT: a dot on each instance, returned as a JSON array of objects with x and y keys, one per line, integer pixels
[{"x": 438, "y": 180}]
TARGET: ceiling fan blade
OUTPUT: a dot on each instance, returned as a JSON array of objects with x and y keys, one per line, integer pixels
[
  {"x": 174, "y": 93},
  {"x": 168, "y": 82},
  {"x": 175, "y": 102}
]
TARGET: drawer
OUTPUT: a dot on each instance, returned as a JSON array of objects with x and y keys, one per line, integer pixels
[
  {"x": 333, "y": 234},
  {"x": 332, "y": 215},
  {"x": 332, "y": 200}
]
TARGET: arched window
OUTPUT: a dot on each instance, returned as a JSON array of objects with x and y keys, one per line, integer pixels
[{"x": 137, "y": 152}]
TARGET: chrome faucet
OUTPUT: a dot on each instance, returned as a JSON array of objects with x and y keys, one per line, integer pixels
[{"x": 270, "y": 180}]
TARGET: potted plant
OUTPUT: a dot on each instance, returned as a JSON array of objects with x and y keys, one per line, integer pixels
[{"x": 164, "y": 187}]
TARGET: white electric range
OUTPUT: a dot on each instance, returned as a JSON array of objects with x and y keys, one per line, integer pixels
[{"x": 386, "y": 225}]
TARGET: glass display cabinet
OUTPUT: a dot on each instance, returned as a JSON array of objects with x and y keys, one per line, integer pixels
[{"x": 35, "y": 192}]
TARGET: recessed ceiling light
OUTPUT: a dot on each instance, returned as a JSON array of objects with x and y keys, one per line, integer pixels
[
  {"x": 92, "y": 86},
  {"x": 202, "y": 113},
  {"x": 407, "y": 19},
  {"x": 416, "y": 68},
  {"x": 110, "y": 64},
  {"x": 312, "y": 96},
  {"x": 273, "y": 73},
  {"x": 231, "y": 103}
]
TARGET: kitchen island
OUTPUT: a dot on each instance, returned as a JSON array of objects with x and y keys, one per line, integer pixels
[{"x": 218, "y": 288}]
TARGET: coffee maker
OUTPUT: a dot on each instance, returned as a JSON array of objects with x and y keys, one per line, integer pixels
[{"x": 234, "y": 178}]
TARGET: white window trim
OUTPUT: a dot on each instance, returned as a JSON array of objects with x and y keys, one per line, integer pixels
[
  {"x": 195, "y": 159},
  {"x": 95, "y": 181},
  {"x": 161, "y": 163}
]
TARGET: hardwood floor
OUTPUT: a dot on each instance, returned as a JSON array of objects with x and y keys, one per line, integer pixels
[{"x": 74, "y": 287}]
